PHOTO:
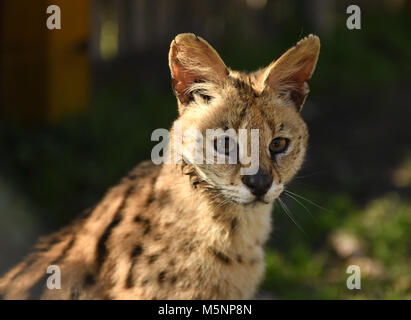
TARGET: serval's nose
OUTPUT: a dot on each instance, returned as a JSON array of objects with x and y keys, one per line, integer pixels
[{"x": 258, "y": 183}]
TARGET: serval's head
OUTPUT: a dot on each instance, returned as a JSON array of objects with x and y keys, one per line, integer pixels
[{"x": 212, "y": 96}]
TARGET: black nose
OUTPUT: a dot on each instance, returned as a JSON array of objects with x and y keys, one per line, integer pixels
[{"x": 258, "y": 183}]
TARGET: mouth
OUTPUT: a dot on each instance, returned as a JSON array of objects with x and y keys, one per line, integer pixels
[
  {"x": 247, "y": 202},
  {"x": 261, "y": 200},
  {"x": 257, "y": 200},
  {"x": 227, "y": 196}
]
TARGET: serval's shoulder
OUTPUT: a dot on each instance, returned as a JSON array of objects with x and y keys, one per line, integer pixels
[{"x": 65, "y": 248}]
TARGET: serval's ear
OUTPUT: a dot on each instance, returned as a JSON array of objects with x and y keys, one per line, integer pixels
[
  {"x": 192, "y": 60},
  {"x": 288, "y": 75}
]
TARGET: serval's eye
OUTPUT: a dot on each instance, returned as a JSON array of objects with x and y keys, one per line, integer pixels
[
  {"x": 278, "y": 145},
  {"x": 224, "y": 145}
]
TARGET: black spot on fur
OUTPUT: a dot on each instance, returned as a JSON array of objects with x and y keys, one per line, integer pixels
[
  {"x": 263, "y": 114},
  {"x": 189, "y": 246},
  {"x": 147, "y": 230},
  {"x": 152, "y": 196},
  {"x": 173, "y": 279},
  {"x": 138, "y": 219},
  {"x": 239, "y": 258},
  {"x": 163, "y": 198},
  {"x": 238, "y": 84},
  {"x": 150, "y": 199},
  {"x": 144, "y": 282},
  {"x": 89, "y": 280},
  {"x": 145, "y": 222},
  {"x": 187, "y": 285},
  {"x": 243, "y": 113},
  {"x": 152, "y": 258},
  {"x": 281, "y": 127},
  {"x": 101, "y": 249},
  {"x": 137, "y": 251},
  {"x": 220, "y": 256},
  {"x": 102, "y": 245},
  {"x": 161, "y": 276},
  {"x": 129, "y": 280},
  {"x": 253, "y": 261},
  {"x": 245, "y": 90},
  {"x": 234, "y": 224}
]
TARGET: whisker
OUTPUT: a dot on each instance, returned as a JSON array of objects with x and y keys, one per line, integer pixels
[
  {"x": 309, "y": 201},
  {"x": 299, "y": 202},
  {"x": 216, "y": 200},
  {"x": 290, "y": 215},
  {"x": 224, "y": 202},
  {"x": 307, "y": 175}
]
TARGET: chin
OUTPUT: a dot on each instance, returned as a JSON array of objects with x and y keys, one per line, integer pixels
[{"x": 253, "y": 202}]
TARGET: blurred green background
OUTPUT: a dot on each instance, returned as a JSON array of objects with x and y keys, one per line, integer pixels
[{"x": 352, "y": 197}]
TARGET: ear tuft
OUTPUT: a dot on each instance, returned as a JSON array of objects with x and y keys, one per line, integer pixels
[
  {"x": 289, "y": 74},
  {"x": 192, "y": 60}
]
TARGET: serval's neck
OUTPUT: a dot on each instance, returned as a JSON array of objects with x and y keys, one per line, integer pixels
[{"x": 199, "y": 206}]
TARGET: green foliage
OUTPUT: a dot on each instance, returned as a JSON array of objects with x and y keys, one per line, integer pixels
[{"x": 306, "y": 266}]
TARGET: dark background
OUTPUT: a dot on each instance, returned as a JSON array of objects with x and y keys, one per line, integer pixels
[{"x": 78, "y": 106}]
